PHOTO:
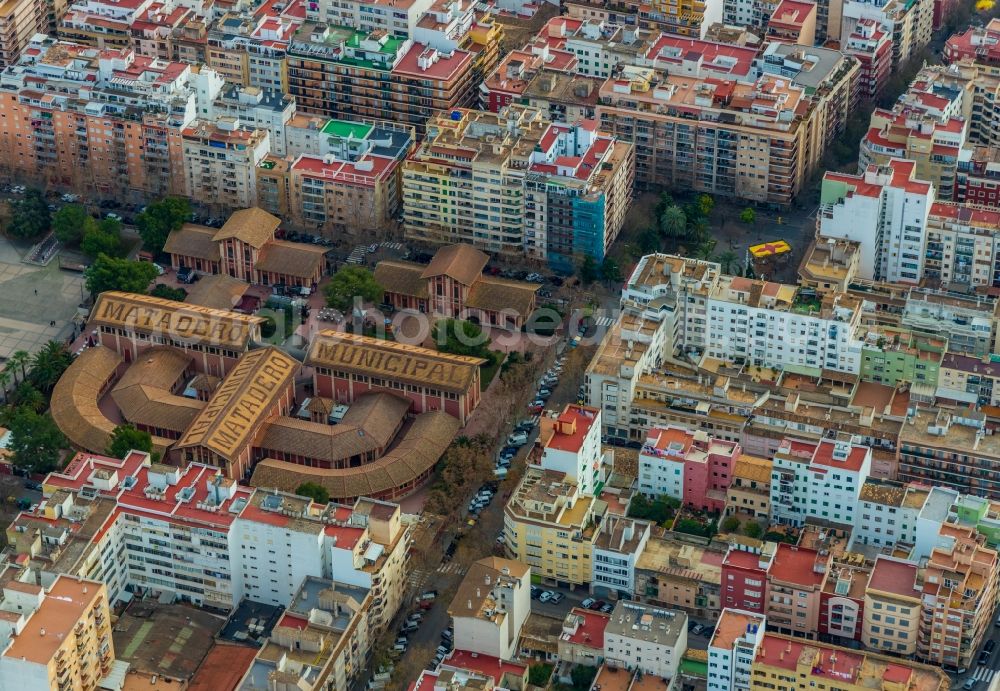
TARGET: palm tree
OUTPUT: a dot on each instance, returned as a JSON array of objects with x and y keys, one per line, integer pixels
[
  {"x": 726, "y": 260},
  {"x": 5, "y": 377},
  {"x": 49, "y": 364},
  {"x": 19, "y": 361},
  {"x": 673, "y": 222}
]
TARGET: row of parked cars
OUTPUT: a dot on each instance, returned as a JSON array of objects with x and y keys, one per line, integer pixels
[
  {"x": 515, "y": 440},
  {"x": 481, "y": 500},
  {"x": 597, "y": 605},
  {"x": 546, "y": 385},
  {"x": 546, "y": 595}
]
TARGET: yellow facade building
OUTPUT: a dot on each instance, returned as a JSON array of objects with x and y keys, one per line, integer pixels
[
  {"x": 550, "y": 526},
  {"x": 55, "y": 639}
]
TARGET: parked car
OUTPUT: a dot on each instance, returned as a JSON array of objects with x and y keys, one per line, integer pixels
[
  {"x": 970, "y": 684},
  {"x": 990, "y": 645},
  {"x": 557, "y": 598},
  {"x": 186, "y": 274},
  {"x": 596, "y": 604},
  {"x": 984, "y": 657},
  {"x": 546, "y": 596},
  {"x": 517, "y": 439},
  {"x": 536, "y": 592},
  {"x": 697, "y": 629},
  {"x": 409, "y": 628},
  {"x": 544, "y": 393},
  {"x": 586, "y": 604},
  {"x": 607, "y": 608}
]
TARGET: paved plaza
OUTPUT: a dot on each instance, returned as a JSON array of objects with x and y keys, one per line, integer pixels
[{"x": 31, "y": 297}]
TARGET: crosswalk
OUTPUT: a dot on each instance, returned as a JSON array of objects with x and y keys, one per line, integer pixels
[
  {"x": 984, "y": 674},
  {"x": 452, "y": 567},
  {"x": 398, "y": 246},
  {"x": 357, "y": 255},
  {"x": 604, "y": 321},
  {"x": 417, "y": 579}
]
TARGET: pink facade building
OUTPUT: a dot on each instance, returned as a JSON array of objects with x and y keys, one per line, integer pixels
[{"x": 688, "y": 465}]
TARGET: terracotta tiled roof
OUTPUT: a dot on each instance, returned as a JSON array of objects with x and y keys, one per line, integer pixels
[
  {"x": 415, "y": 454},
  {"x": 291, "y": 259},
  {"x": 402, "y": 278},
  {"x": 218, "y": 292},
  {"x": 192, "y": 240},
  {"x": 253, "y": 226},
  {"x": 464, "y": 263},
  {"x": 496, "y": 294},
  {"x": 144, "y": 394},
  {"x": 74, "y": 399}
]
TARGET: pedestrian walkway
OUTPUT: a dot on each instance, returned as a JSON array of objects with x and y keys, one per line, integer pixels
[
  {"x": 452, "y": 567},
  {"x": 417, "y": 579},
  {"x": 984, "y": 674},
  {"x": 357, "y": 255},
  {"x": 398, "y": 246},
  {"x": 604, "y": 321}
]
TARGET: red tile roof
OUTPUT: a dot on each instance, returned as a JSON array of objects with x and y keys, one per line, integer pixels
[
  {"x": 796, "y": 565},
  {"x": 590, "y": 632},
  {"x": 892, "y": 576}
]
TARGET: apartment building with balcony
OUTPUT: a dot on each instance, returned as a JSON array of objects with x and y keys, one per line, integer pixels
[
  {"x": 570, "y": 443},
  {"x": 953, "y": 450},
  {"x": 679, "y": 575},
  {"x": 102, "y": 24},
  {"x": 618, "y": 546},
  {"x": 516, "y": 71},
  {"x": 831, "y": 77},
  {"x": 893, "y": 355},
  {"x": 321, "y": 640},
  {"x": 888, "y": 513},
  {"x": 207, "y": 540},
  {"x": 737, "y": 636},
  {"x": 978, "y": 43},
  {"x": 978, "y": 176},
  {"x": 960, "y": 595},
  {"x": 688, "y": 465},
  {"x": 646, "y": 638},
  {"x": 514, "y": 183},
  {"x": 220, "y": 162},
  {"x": 910, "y": 24},
  {"x": 251, "y": 50},
  {"x": 105, "y": 124},
  {"x": 792, "y": 22},
  {"x": 749, "y": 493},
  {"x": 802, "y": 665},
  {"x": 757, "y": 141},
  {"x": 892, "y": 609},
  {"x": 795, "y": 580},
  {"x": 872, "y": 46},
  {"x": 962, "y": 247},
  {"x": 688, "y": 18},
  {"x": 20, "y": 20},
  {"x": 491, "y": 606},
  {"x": 744, "y": 577},
  {"x": 842, "y": 602},
  {"x": 550, "y": 525},
  {"x": 336, "y": 174},
  {"x": 968, "y": 323},
  {"x": 57, "y": 637},
  {"x": 819, "y": 482},
  {"x": 885, "y": 209},
  {"x": 345, "y": 73}
]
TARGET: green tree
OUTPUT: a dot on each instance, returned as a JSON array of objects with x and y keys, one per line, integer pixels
[
  {"x": 588, "y": 270},
  {"x": 673, "y": 223},
  {"x": 610, "y": 271},
  {"x": 71, "y": 222},
  {"x": 110, "y": 273},
  {"x": 727, "y": 260},
  {"x": 659, "y": 510},
  {"x": 48, "y": 365},
  {"x": 352, "y": 282},
  {"x": 162, "y": 290},
  {"x": 748, "y": 216},
  {"x": 460, "y": 337},
  {"x": 25, "y": 395},
  {"x": 753, "y": 530},
  {"x": 730, "y": 524},
  {"x": 36, "y": 443},
  {"x": 5, "y": 379},
  {"x": 315, "y": 491},
  {"x": 97, "y": 241},
  {"x": 19, "y": 362},
  {"x": 126, "y": 438},
  {"x": 30, "y": 216},
  {"x": 705, "y": 205},
  {"x": 159, "y": 218},
  {"x": 539, "y": 674},
  {"x": 648, "y": 240},
  {"x": 582, "y": 677}
]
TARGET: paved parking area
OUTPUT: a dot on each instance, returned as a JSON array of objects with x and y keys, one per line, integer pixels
[{"x": 31, "y": 297}]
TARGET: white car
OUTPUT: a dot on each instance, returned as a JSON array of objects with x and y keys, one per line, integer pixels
[
  {"x": 545, "y": 596},
  {"x": 112, "y": 216}
]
